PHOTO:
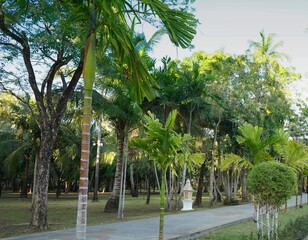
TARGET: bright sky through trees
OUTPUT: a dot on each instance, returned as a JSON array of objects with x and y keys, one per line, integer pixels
[{"x": 229, "y": 25}]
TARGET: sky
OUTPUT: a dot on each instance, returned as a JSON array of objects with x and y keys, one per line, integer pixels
[{"x": 228, "y": 25}]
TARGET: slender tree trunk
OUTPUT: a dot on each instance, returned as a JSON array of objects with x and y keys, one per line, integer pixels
[
  {"x": 258, "y": 217},
  {"x": 156, "y": 176},
  {"x": 24, "y": 189},
  {"x": 123, "y": 180},
  {"x": 198, "y": 200},
  {"x": 244, "y": 190},
  {"x": 113, "y": 201},
  {"x": 58, "y": 192},
  {"x": 97, "y": 161},
  {"x": 276, "y": 223},
  {"x": 133, "y": 187},
  {"x": 211, "y": 189},
  {"x": 228, "y": 186},
  {"x": 300, "y": 191},
  {"x": 81, "y": 224},
  {"x": 235, "y": 187},
  {"x": 212, "y": 170},
  {"x": 162, "y": 204},
  {"x": 88, "y": 76},
  {"x": 219, "y": 172},
  {"x": 1, "y": 180},
  {"x": 268, "y": 224}
]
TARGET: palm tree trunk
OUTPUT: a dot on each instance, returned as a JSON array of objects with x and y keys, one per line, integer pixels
[
  {"x": 198, "y": 200},
  {"x": 244, "y": 190},
  {"x": 97, "y": 161},
  {"x": 133, "y": 187},
  {"x": 162, "y": 204},
  {"x": 24, "y": 189},
  {"x": 113, "y": 201},
  {"x": 156, "y": 176},
  {"x": 123, "y": 179},
  {"x": 148, "y": 180},
  {"x": 212, "y": 170},
  {"x": 88, "y": 76}
]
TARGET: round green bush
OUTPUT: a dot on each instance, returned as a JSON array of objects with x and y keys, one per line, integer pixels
[{"x": 271, "y": 183}]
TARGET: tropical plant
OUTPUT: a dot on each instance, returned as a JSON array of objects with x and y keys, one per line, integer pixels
[
  {"x": 255, "y": 147},
  {"x": 294, "y": 155},
  {"x": 163, "y": 145}
]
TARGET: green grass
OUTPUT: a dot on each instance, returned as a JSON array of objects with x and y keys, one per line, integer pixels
[
  {"x": 16, "y": 213},
  {"x": 244, "y": 230}
]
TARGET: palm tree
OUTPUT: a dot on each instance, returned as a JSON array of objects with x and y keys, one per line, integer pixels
[
  {"x": 163, "y": 145},
  {"x": 294, "y": 155},
  {"x": 255, "y": 149},
  {"x": 266, "y": 49},
  {"x": 109, "y": 21}
]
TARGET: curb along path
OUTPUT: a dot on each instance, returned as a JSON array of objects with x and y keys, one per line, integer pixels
[{"x": 186, "y": 225}]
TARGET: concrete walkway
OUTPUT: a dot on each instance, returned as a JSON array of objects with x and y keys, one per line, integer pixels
[{"x": 186, "y": 225}]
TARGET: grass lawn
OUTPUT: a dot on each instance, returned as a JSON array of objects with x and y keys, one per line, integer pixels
[{"x": 16, "y": 213}]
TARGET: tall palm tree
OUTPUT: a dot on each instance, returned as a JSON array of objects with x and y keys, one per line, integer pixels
[
  {"x": 108, "y": 20},
  {"x": 266, "y": 49}
]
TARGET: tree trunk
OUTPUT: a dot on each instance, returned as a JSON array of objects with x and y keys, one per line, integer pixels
[
  {"x": 24, "y": 188},
  {"x": 198, "y": 200},
  {"x": 162, "y": 204},
  {"x": 212, "y": 170},
  {"x": 40, "y": 193},
  {"x": 59, "y": 183},
  {"x": 37, "y": 155},
  {"x": 133, "y": 187},
  {"x": 156, "y": 176},
  {"x": 88, "y": 77},
  {"x": 97, "y": 161},
  {"x": 1, "y": 180},
  {"x": 244, "y": 190},
  {"x": 123, "y": 179},
  {"x": 81, "y": 223},
  {"x": 211, "y": 189},
  {"x": 219, "y": 172},
  {"x": 148, "y": 180},
  {"x": 113, "y": 201}
]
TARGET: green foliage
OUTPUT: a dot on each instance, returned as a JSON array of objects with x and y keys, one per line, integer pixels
[
  {"x": 271, "y": 183},
  {"x": 254, "y": 143},
  {"x": 161, "y": 142},
  {"x": 294, "y": 155},
  {"x": 295, "y": 230}
]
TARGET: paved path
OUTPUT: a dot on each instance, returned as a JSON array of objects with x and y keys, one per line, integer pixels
[{"x": 186, "y": 225}]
